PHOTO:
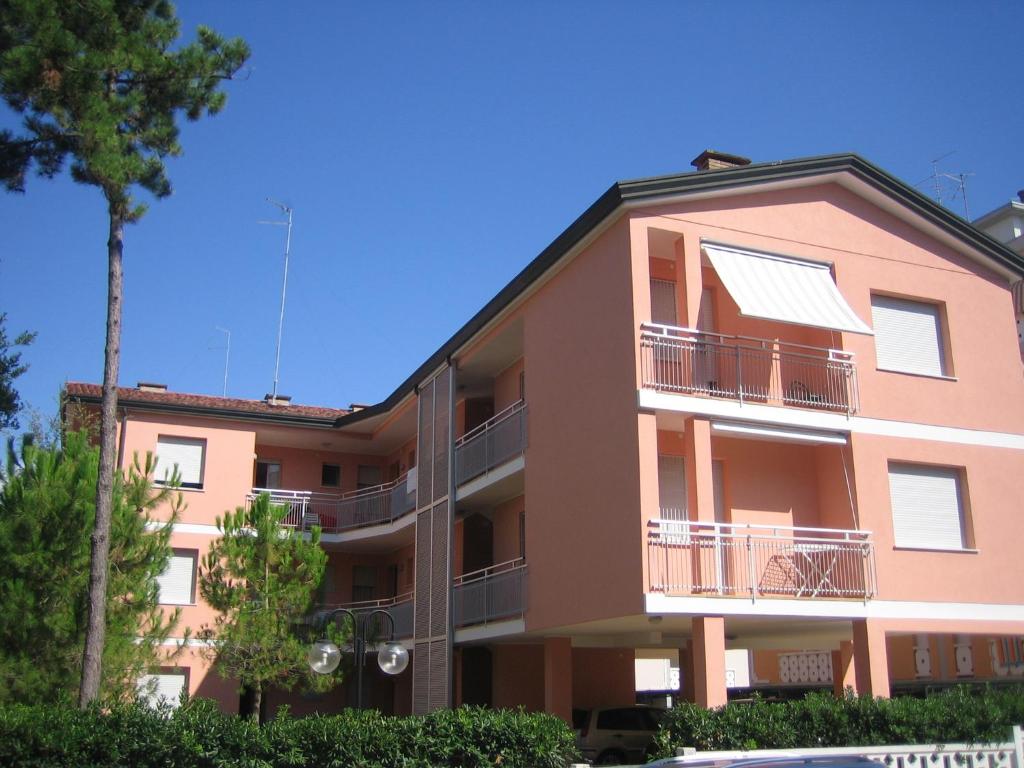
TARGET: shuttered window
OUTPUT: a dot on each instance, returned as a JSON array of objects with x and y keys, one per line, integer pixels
[
  {"x": 908, "y": 336},
  {"x": 185, "y": 453},
  {"x": 163, "y": 688},
  {"x": 927, "y": 507},
  {"x": 177, "y": 583},
  {"x": 672, "y": 487},
  {"x": 663, "y": 302}
]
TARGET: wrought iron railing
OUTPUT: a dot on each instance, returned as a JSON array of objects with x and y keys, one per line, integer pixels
[
  {"x": 489, "y": 594},
  {"x": 378, "y": 505},
  {"x": 743, "y": 368},
  {"x": 697, "y": 558},
  {"x": 491, "y": 444}
]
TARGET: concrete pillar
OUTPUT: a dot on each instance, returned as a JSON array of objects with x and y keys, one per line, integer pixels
[
  {"x": 558, "y": 677},
  {"x": 688, "y": 248},
  {"x": 700, "y": 486},
  {"x": 709, "y": 661},
  {"x": 870, "y": 658},
  {"x": 686, "y": 691},
  {"x": 843, "y": 669}
]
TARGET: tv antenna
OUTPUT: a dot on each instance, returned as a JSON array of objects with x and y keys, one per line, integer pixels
[
  {"x": 284, "y": 283},
  {"x": 227, "y": 358},
  {"x": 959, "y": 180}
]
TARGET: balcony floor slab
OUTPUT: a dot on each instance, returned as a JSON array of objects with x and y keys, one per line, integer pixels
[{"x": 503, "y": 482}]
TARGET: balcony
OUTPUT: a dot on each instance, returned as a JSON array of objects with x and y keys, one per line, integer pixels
[
  {"x": 379, "y": 505},
  {"x": 492, "y": 444},
  {"x": 497, "y": 592},
  {"x": 687, "y": 558},
  {"x": 747, "y": 369},
  {"x": 400, "y": 608}
]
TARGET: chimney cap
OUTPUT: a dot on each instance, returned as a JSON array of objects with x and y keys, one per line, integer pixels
[
  {"x": 150, "y": 386},
  {"x": 278, "y": 399},
  {"x": 713, "y": 160}
]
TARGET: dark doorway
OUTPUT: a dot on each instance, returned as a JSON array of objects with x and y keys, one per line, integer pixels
[
  {"x": 477, "y": 543},
  {"x": 478, "y": 410},
  {"x": 476, "y": 676}
]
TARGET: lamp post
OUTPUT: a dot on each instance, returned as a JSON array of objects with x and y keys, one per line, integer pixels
[{"x": 324, "y": 656}]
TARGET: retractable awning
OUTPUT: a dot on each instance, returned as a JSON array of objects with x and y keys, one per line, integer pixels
[{"x": 784, "y": 289}]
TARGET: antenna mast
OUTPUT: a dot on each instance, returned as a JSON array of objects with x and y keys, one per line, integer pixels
[
  {"x": 284, "y": 284},
  {"x": 227, "y": 358}
]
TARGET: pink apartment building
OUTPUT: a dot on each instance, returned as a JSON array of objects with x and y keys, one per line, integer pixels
[{"x": 776, "y": 407}]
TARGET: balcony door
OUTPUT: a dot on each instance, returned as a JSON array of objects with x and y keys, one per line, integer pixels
[
  {"x": 671, "y": 488},
  {"x": 705, "y": 362},
  {"x": 268, "y": 475},
  {"x": 663, "y": 302}
]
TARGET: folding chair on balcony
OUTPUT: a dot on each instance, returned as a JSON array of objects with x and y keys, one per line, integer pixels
[{"x": 781, "y": 576}]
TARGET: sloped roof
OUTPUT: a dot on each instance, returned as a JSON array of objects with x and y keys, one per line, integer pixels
[{"x": 310, "y": 415}]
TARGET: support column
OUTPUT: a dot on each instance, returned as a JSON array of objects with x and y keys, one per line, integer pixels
[
  {"x": 700, "y": 486},
  {"x": 686, "y": 691},
  {"x": 870, "y": 658},
  {"x": 843, "y": 669},
  {"x": 558, "y": 677},
  {"x": 709, "y": 661}
]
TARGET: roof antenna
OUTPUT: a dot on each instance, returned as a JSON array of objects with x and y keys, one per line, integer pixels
[
  {"x": 284, "y": 284},
  {"x": 227, "y": 358},
  {"x": 959, "y": 179}
]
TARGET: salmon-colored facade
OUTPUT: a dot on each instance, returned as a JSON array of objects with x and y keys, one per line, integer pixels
[{"x": 769, "y": 407}]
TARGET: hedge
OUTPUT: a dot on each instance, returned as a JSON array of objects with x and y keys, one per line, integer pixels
[
  {"x": 958, "y": 714},
  {"x": 197, "y": 735}
]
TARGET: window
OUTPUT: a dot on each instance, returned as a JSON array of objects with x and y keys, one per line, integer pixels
[
  {"x": 663, "y": 302},
  {"x": 165, "y": 687},
  {"x": 184, "y": 453},
  {"x": 672, "y": 487},
  {"x": 364, "y": 583},
  {"x": 367, "y": 476},
  {"x": 268, "y": 474},
  {"x": 522, "y": 534},
  {"x": 927, "y": 507},
  {"x": 330, "y": 475},
  {"x": 909, "y": 336},
  {"x": 177, "y": 583}
]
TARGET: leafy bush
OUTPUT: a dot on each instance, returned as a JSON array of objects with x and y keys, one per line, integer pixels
[
  {"x": 199, "y": 736},
  {"x": 822, "y": 720}
]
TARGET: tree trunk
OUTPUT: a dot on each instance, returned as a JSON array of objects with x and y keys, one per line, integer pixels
[
  {"x": 257, "y": 703},
  {"x": 95, "y": 632}
]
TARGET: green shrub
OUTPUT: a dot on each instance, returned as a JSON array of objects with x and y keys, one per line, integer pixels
[
  {"x": 199, "y": 736},
  {"x": 822, "y": 720}
]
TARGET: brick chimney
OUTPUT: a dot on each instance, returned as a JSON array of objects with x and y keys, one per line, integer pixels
[
  {"x": 712, "y": 160},
  {"x": 277, "y": 399}
]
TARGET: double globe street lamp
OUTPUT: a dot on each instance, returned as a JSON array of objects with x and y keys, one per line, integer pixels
[{"x": 325, "y": 656}]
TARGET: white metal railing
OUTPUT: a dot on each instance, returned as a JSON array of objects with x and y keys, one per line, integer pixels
[
  {"x": 400, "y": 607},
  {"x": 686, "y": 557},
  {"x": 745, "y": 368},
  {"x": 378, "y": 505},
  {"x": 1009, "y": 754},
  {"x": 495, "y": 592},
  {"x": 497, "y": 440}
]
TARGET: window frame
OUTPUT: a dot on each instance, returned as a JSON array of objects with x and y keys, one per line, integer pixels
[
  {"x": 201, "y": 442},
  {"x": 323, "y": 467},
  {"x": 959, "y": 476},
  {"x": 181, "y": 552},
  {"x": 944, "y": 345}
]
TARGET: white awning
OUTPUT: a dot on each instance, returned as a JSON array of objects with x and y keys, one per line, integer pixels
[{"x": 783, "y": 289}]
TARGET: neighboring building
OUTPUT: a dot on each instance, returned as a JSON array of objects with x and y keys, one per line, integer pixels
[
  {"x": 773, "y": 407},
  {"x": 1006, "y": 224}
]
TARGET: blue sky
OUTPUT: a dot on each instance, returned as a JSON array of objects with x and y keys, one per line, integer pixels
[{"x": 430, "y": 150}]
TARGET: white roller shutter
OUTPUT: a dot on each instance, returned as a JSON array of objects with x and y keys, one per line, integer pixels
[
  {"x": 186, "y": 454},
  {"x": 927, "y": 511},
  {"x": 176, "y": 583},
  {"x": 908, "y": 336},
  {"x": 672, "y": 487},
  {"x": 162, "y": 688}
]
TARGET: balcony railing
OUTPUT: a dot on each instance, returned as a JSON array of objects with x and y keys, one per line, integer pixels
[
  {"x": 696, "y": 558},
  {"x": 400, "y": 608},
  {"x": 747, "y": 369},
  {"x": 491, "y": 444},
  {"x": 378, "y": 505},
  {"x": 492, "y": 593}
]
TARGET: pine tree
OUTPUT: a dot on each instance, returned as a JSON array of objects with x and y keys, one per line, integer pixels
[
  {"x": 11, "y": 368},
  {"x": 261, "y": 578},
  {"x": 101, "y": 81},
  {"x": 47, "y": 506}
]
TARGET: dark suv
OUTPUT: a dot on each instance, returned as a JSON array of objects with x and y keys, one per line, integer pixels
[{"x": 615, "y": 735}]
